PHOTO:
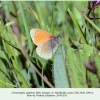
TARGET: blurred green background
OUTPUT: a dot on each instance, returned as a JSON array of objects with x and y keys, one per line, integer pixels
[{"x": 76, "y": 62}]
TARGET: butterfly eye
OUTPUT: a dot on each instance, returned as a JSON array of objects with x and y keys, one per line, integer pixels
[{"x": 59, "y": 37}]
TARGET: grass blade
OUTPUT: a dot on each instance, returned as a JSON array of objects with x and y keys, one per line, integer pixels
[
  {"x": 77, "y": 26},
  {"x": 26, "y": 27}
]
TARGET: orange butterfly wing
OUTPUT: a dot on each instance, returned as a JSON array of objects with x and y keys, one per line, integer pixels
[{"x": 39, "y": 36}]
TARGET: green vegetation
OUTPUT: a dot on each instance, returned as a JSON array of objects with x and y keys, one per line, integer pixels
[{"x": 76, "y": 62}]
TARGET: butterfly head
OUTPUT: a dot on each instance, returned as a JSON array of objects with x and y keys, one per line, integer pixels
[{"x": 58, "y": 38}]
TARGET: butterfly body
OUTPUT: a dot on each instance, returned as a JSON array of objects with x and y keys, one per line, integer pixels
[{"x": 46, "y": 42}]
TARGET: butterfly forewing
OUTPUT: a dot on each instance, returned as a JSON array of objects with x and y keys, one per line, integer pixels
[{"x": 39, "y": 36}]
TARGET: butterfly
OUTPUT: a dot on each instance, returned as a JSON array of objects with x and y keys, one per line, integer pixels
[{"x": 46, "y": 43}]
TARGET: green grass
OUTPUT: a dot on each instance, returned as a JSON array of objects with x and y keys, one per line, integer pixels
[{"x": 21, "y": 67}]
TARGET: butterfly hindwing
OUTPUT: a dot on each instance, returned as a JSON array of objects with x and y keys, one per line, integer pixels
[{"x": 47, "y": 49}]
